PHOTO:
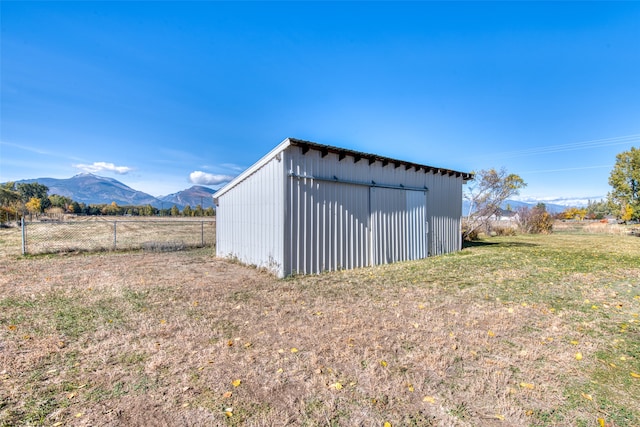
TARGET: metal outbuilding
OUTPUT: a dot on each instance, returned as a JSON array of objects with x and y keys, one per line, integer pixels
[{"x": 308, "y": 208}]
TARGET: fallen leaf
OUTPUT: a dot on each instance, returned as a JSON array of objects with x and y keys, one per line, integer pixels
[
  {"x": 586, "y": 396},
  {"x": 410, "y": 387},
  {"x": 499, "y": 417},
  {"x": 383, "y": 363},
  {"x": 228, "y": 412},
  {"x": 635, "y": 375},
  {"x": 78, "y": 415},
  {"x": 574, "y": 342},
  {"x": 230, "y": 343},
  {"x": 236, "y": 383},
  {"x": 294, "y": 350},
  {"x": 71, "y": 395},
  {"x": 429, "y": 399},
  {"x": 12, "y": 327},
  {"x": 491, "y": 334},
  {"x": 601, "y": 422},
  {"x": 227, "y": 394},
  {"x": 387, "y": 424},
  {"x": 527, "y": 385},
  {"x": 337, "y": 386},
  {"x": 578, "y": 356}
]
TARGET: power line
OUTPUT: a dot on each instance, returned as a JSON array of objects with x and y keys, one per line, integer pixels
[{"x": 596, "y": 143}]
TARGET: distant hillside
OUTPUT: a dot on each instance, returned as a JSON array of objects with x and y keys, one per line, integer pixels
[
  {"x": 194, "y": 196},
  {"x": 93, "y": 189},
  {"x": 516, "y": 204}
]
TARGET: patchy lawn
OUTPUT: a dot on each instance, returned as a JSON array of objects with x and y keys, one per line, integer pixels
[{"x": 514, "y": 331}]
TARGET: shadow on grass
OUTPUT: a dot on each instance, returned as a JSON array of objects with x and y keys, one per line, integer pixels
[{"x": 481, "y": 243}]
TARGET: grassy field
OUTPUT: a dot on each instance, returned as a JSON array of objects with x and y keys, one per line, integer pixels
[
  {"x": 105, "y": 233},
  {"x": 512, "y": 331}
]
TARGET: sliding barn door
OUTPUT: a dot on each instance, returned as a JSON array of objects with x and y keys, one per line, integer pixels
[{"x": 398, "y": 225}]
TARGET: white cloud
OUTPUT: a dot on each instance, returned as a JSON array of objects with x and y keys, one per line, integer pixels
[
  {"x": 203, "y": 178},
  {"x": 104, "y": 166}
]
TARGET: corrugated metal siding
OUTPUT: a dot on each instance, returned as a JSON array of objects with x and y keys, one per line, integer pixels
[
  {"x": 292, "y": 224},
  {"x": 329, "y": 225},
  {"x": 399, "y": 230},
  {"x": 444, "y": 203},
  {"x": 250, "y": 219}
]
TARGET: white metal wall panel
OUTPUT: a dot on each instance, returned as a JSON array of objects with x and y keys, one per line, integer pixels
[
  {"x": 328, "y": 226},
  {"x": 293, "y": 224},
  {"x": 250, "y": 221},
  {"x": 398, "y": 224}
]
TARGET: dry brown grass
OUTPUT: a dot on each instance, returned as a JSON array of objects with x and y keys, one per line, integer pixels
[
  {"x": 488, "y": 336},
  {"x": 108, "y": 233}
]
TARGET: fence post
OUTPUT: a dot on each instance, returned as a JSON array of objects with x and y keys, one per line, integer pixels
[
  {"x": 24, "y": 236},
  {"x": 202, "y": 232},
  {"x": 115, "y": 235}
]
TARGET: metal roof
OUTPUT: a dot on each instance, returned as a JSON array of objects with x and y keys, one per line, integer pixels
[
  {"x": 342, "y": 153},
  {"x": 371, "y": 158}
]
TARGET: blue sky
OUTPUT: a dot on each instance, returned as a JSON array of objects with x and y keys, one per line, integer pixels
[{"x": 164, "y": 95}]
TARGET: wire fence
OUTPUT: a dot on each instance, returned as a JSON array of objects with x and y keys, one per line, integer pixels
[{"x": 101, "y": 235}]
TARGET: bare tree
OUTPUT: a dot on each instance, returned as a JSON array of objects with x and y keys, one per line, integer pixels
[{"x": 486, "y": 192}]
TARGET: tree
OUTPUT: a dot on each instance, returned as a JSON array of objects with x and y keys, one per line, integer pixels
[
  {"x": 574, "y": 213},
  {"x": 486, "y": 193},
  {"x": 175, "y": 211},
  {"x": 34, "y": 206},
  {"x": 625, "y": 181},
  {"x": 187, "y": 211},
  {"x": 598, "y": 210},
  {"x": 59, "y": 201},
  {"x": 10, "y": 201},
  {"x": 29, "y": 190}
]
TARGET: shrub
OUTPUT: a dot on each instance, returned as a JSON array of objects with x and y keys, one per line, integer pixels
[{"x": 535, "y": 220}]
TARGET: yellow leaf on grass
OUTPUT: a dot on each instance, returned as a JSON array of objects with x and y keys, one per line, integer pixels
[
  {"x": 499, "y": 417},
  {"x": 12, "y": 327},
  {"x": 601, "y": 422},
  {"x": 294, "y": 350},
  {"x": 586, "y": 396},
  {"x": 527, "y": 385},
  {"x": 383, "y": 363},
  {"x": 236, "y": 383},
  {"x": 387, "y": 424},
  {"x": 578, "y": 356},
  {"x": 491, "y": 334},
  {"x": 337, "y": 386},
  {"x": 429, "y": 399},
  {"x": 574, "y": 342},
  {"x": 410, "y": 387},
  {"x": 227, "y": 394},
  {"x": 228, "y": 412},
  {"x": 635, "y": 375}
]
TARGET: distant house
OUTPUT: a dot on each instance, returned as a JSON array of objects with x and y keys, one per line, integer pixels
[{"x": 308, "y": 208}]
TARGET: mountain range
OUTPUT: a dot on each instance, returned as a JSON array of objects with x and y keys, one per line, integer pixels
[{"x": 93, "y": 189}]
